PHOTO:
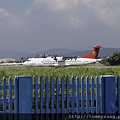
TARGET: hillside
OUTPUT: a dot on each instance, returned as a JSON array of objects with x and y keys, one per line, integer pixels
[
  {"x": 59, "y": 52},
  {"x": 103, "y": 52},
  {"x": 13, "y": 54}
]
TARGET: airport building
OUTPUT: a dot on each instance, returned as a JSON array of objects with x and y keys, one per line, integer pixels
[{"x": 7, "y": 60}]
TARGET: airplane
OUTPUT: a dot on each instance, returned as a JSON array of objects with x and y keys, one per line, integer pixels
[{"x": 91, "y": 57}]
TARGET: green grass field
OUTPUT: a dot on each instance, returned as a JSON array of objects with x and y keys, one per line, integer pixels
[{"x": 59, "y": 71}]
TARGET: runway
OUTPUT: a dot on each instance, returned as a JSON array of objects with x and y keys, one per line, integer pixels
[
  {"x": 11, "y": 66},
  {"x": 86, "y": 66}
]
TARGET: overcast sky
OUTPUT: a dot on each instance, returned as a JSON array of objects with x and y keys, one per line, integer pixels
[{"x": 36, "y": 25}]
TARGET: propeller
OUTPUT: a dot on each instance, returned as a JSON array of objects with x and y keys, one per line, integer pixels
[
  {"x": 55, "y": 57},
  {"x": 44, "y": 56}
]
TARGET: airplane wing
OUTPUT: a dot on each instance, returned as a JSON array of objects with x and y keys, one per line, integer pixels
[
  {"x": 67, "y": 58},
  {"x": 62, "y": 59}
]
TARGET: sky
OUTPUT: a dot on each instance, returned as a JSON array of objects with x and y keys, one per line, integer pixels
[{"x": 37, "y": 25}]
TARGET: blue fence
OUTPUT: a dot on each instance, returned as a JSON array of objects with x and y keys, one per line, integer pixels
[{"x": 88, "y": 95}]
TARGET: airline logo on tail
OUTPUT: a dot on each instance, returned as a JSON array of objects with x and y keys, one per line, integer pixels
[{"x": 94, "y": 53}]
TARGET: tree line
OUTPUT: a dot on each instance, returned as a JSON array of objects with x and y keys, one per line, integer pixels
[{"x": 114, "y": 59}]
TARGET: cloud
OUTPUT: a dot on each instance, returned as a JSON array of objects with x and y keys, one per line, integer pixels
[
  {"x": 77, "y": 23},
  {"x": 58, "y": 13},
  {"x": 107, "y": 10},
  {"x": 71, "y": 23},
  {"x": 54, "y": 5},
  {"x": 10, "y": 21},
  {"x": 76, "y": 13},
  {"x": 62, "y": 4}
]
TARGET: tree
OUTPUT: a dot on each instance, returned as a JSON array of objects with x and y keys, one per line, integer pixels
[{"x": 115, "y": 59}]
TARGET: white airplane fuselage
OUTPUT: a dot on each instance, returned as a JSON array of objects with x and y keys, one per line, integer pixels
[
  {"x": 65, "y": 61},
  {"x": 49, "y": 61}
]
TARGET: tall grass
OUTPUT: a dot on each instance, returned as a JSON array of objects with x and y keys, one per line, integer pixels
[{"x": 59, "y": 71}]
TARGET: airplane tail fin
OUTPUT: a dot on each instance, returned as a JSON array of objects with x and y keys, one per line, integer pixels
[{"x": 94, "y": 53}]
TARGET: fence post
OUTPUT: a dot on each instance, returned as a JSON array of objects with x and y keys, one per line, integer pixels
[
  {"x": 118, "y": 94},
  {"x": 109, "y": 94},
  {"x": 23, "y": 95}
]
